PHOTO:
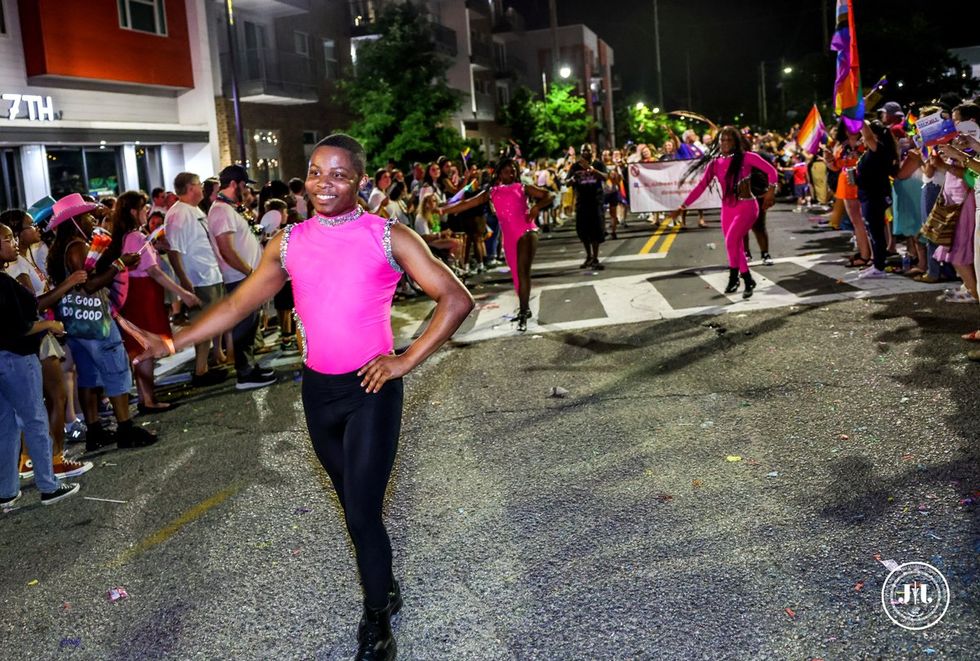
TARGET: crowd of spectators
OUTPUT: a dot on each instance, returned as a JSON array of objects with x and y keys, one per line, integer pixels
[{"x": 81, "y": 278}]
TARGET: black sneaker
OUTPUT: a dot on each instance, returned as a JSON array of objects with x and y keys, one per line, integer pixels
[
  {"x": 209, "y": 378},
  {"x": 255, "y": 379},
  {"x": 98, "y": 436},
  {"x": 766, "y": 259},
  {"x": 64, "y": 490},
  {"x": 132, "y": 436},
  {"x": 265, "y": 371},
  {"x": 7, "y": 502}
]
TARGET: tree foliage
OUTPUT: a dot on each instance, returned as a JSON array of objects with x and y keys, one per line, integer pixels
[
  {"x": 398, "y": 91},
  {"x": 545, "y": 127}
]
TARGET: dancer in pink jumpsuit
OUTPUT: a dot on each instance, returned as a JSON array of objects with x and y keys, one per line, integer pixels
[
  {"x": 520, "y": 233},
  {"x": 739, "y": 209}
]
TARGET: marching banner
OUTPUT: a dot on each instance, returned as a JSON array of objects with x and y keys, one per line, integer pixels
[{"x": 659, "y": 187}]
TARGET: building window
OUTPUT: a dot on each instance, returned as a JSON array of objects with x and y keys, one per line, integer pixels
[
  {"x": 263, "y": 154},
  {"x": 3, "y": 21},
  {"x": 331, "y": 65},
  {"x": 301, "y": 43},
  {"x": 310, "y": 140},
  {"x": 89, "y": 170},
  {"x": 143, "y": 16},
  {"x": 10, "y": 181}
]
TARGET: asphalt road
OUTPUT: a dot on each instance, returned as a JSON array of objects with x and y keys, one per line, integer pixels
[{"x": 606, "y": 524}]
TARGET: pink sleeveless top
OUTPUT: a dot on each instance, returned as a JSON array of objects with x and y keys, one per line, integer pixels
[
  {"x": 510, "y": 204},
  {"x": 344, "y": 278}
]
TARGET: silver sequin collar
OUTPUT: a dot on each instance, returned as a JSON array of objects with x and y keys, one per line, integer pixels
[{"x": 333, "y": 221}]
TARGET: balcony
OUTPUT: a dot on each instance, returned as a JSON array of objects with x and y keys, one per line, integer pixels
[
  {"x": 510, "y": 67},
  {"x": 481, "y": 7},
  {"x": 510, "y": 21},
  {"x": 481, "y": 54},
  {"x": 274, "y": 8},
  {"x": 266, "y": 75},
  {"x": 445, "y": 39}
]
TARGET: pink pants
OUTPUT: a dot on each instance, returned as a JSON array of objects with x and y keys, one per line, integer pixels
[{"x": 736, "y": 221}]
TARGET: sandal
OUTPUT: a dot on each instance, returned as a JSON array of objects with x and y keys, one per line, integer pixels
[
  {"x": 972, "y": 337},
  {"x": 859, "y": 262}
]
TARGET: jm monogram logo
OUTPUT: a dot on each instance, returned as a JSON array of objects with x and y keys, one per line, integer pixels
[{"x": 915, "y": 596}]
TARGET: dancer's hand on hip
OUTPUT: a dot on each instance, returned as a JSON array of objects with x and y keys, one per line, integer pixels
[
  {"x": 769, "y": 199},
  {"x": 382, "y": 369}
]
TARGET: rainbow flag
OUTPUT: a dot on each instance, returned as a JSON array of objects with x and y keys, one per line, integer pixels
[
  {"x": 466, "y": 156},
  {"x": 812, "y": 132},
  {"x": 848, "y": 101}
]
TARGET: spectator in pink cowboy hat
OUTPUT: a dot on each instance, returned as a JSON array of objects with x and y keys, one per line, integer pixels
[{"x": 93, "y": 335}]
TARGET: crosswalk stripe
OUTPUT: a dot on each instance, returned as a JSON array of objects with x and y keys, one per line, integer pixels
[{"x": 647, "y": 297}]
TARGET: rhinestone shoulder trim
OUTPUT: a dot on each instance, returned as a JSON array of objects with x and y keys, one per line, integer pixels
[
  {"x": 387, "y": 244},
  {"x": 284, "y": 245}
]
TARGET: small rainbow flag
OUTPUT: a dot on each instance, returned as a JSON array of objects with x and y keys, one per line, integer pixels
[
  {"x": 848, "y": 101},
  {"x": 812, "y": 132},
  {"x": 466, "y": 156}
]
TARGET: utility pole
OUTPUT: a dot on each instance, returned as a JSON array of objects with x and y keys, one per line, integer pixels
[
  {"x": 656, "y": 43},
  {"x": 824, "y": 21},
  {"x": 763, "y": 111},
  {"x": 555, "y": 55},
  {"x": 687, "y": 66},
  {"x": 235, "y": 102}
]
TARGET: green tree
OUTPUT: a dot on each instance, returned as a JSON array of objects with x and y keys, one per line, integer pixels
[
  {"x": 643, "y": 125},
  {"x": 544, "y": 127},
  {"x": 560, "y": 120},
  {"x": 398, "y": 92}
]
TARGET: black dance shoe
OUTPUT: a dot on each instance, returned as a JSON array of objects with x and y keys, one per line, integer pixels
[
  {"x": 749, "y": 285},
  {"x": 522, "y": 318},
  {"x": 375, "y": 642},
  {"x": 732, "y": 281}
]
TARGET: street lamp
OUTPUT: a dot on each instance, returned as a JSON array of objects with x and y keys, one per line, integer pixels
[
  {"x": 656, "y": 109},
  {"x": 787, "y": 70},
  {"x": 565, "y": 71},
  {"x": 640, "y": 105}
]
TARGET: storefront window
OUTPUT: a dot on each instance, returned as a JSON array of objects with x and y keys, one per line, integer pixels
[
  {"x": 148, "y": 167},
  {"x": 91, "y": 170},
  {"x": 10, "y": 180},
  {"x": 263, "y": 155}
]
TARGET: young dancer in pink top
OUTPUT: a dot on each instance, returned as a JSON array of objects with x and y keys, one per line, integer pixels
[
  {"x": 520, "y": 233},
  {"x": 739, "y": 209},
  {"x": 344, "y": 265}
]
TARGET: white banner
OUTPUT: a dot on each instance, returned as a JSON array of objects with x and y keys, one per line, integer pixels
[{"x": 659, "y": 187}]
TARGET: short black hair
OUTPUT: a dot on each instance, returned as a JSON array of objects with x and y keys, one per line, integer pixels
[
  {"x": 970, "y": 112},
  {"x": 350, "y": 145},
  {"x": 156, "y": 192},
  {"x": 296, "y": 186}
]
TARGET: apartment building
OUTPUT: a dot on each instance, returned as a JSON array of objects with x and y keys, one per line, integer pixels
[
  {"x": 588, "y": 61},
  {"x": 476, "y": 36},
  {"x": 101, "y": 96}
]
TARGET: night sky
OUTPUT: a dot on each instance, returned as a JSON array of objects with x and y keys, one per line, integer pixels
[{"x": 726, "y": 40}]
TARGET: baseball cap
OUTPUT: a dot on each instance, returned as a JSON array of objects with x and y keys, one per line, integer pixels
[
  {"x": 233, "y": 173},
  {"x": 892, "y": 108}
]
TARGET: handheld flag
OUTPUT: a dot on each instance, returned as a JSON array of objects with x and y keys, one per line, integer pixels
[
  {"x": 812, "y": 132},
  {"x": 848, "y": 102}
]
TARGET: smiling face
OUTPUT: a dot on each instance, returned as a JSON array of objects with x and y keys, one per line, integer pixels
[
  {"x": 331, "y": 182},
  {"x": 726, "y": 142}
]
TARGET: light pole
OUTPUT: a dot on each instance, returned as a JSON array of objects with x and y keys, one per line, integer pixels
[
  {"x": 787, "y": 72},
  {"x": 235, "y": 102}
]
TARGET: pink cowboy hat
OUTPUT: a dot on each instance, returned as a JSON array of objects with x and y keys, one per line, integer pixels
[{"x": 69, "y": 206}]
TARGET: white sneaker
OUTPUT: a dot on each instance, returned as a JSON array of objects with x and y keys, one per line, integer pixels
[
  {"x": 871, "y": 272},
  {"x": 958, "y": 296}
]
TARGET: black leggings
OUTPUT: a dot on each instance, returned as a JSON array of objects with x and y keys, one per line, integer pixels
[
  {"x": 873, "y": 211},
  {"x": 355, "y": 436}
]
